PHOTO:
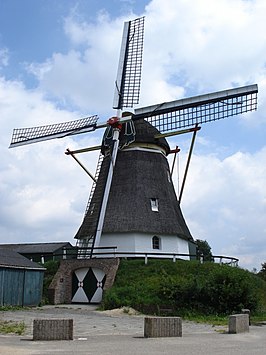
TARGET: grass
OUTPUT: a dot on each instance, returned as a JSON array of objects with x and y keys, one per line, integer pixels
[
  {"x": 208, "y": 319},
  {"x": 11, "y": 308},
  {"x": 200, "y": 292},
  {"x": 256, "y": 319},
  {"x": 7, "y": 327},
  {"x": 12, "y": 327}
]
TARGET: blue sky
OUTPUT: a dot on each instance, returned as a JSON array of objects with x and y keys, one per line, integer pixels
[
  {"x": 58, "y": 62},
  {"x": 33, "y": 30}
]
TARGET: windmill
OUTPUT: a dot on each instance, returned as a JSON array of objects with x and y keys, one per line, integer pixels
[{"x": 133, "y": 206}]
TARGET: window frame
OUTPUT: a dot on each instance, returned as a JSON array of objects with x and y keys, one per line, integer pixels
[
  {"x": 154, "y": 204},
  {"x": 156, "y": 242}
]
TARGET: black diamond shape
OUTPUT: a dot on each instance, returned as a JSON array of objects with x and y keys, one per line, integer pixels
[
  {"x": 90, "y": 284},
  {"x": 75, "y": 284}
]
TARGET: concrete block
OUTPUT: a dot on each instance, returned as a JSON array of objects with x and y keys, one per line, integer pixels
[
  {"x": 238, "y": 323},
  {"x": 155, "y": 327},
  {"x": 53, "y": 329}
]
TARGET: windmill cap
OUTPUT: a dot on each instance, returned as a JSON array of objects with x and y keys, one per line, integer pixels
[{"x": 144, "y": 134}]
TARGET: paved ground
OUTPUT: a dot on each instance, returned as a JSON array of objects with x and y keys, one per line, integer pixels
[{"x": 120, "y": 333}]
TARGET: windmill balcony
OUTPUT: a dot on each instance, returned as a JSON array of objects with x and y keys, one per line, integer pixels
[{"x": 112, "y": 252}]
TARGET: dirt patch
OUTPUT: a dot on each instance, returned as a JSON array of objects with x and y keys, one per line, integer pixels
[{"x": 120, "y": 311}]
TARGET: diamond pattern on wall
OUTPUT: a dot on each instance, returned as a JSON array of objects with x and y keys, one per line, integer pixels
[{"x": 87, "y": 285}]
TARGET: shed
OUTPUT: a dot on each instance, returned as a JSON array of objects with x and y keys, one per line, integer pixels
[
  {"x": 41, "y": 252},
  {"x": 21, "y": 280}
]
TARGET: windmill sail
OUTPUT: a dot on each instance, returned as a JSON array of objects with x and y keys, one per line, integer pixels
[
  {"x": 127, "y": 89},
  {"x": 168, "y": 117},
  {"x": 127, "y": 85},
  {"x": 22, "y": 136},
  {"x": 187, "y": 112}
]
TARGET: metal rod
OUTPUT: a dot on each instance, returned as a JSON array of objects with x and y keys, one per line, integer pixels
[
  {"x": 83, "y": 167},
  {"x": 173, "y": 165},
  {"x": 83, "y": 150},
  {"x": 188, "y": 161},
  {"x": 175, "y": 133}
]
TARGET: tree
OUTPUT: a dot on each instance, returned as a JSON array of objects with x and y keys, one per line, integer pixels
[
  {"x": 262, "y": 272},
  {"x": 203, "y": 250}
]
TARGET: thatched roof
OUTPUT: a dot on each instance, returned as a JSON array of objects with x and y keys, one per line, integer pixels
[
  {"x": 144, "y": 133},
  {"x": 129, "y": 206},
  {"x": 139, "y": 176}
]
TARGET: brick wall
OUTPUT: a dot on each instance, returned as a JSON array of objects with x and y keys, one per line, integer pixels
[{"x": 60, "y": 289}]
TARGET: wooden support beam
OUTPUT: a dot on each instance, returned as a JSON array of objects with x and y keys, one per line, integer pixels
[
  {"x": 188, "y": 161},
  {"x": 68, "y": 152},
  {"x": 175, "y": 151}
]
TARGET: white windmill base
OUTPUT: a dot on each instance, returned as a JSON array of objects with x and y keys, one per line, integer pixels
[{"x": 140, "y": 244}]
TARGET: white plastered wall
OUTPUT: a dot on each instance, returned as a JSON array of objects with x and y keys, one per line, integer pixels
[{"x": 142, "y": 243}]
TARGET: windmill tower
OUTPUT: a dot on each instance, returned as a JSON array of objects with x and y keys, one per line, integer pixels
[
  {"x": 143, "y": 214},
  {"x": 133, "y": 207}
]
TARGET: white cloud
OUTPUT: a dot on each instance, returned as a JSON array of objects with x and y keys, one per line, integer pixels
[
  {"x": 85, "y": 75},
  {"x": 43, "y": 191},
  {"x": 190, "y": 48},
  {"x": 208, "y": 40},
  {"x": 225, "y": 200}
]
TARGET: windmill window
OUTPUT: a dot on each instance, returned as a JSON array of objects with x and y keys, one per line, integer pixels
[
  {"x": 156, "y": 242},
  {"x": 154, "y": 205}
]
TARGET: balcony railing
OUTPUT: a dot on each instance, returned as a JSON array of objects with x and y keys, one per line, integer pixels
[{"x": 112, "y": 252}]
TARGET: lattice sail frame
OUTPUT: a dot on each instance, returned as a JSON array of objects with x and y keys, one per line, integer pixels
[
  {"x": 22, "y": 136},
  {"x": 127, "y": 90},
  {"x": 188, "y": 112},
  {"x": 127, "y": 85}
]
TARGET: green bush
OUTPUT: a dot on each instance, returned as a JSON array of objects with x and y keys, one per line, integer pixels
[
  {"x": 185, "y": 287},
  {"x": 51, "y": 269},
  {"x": 232, "y": 289},
  {"x": 220, "y": 289},
  {"x": 135, "y": 286}
]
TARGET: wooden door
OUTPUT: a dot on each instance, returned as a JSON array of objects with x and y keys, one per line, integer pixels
[{"x": 87, "y": 285}]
